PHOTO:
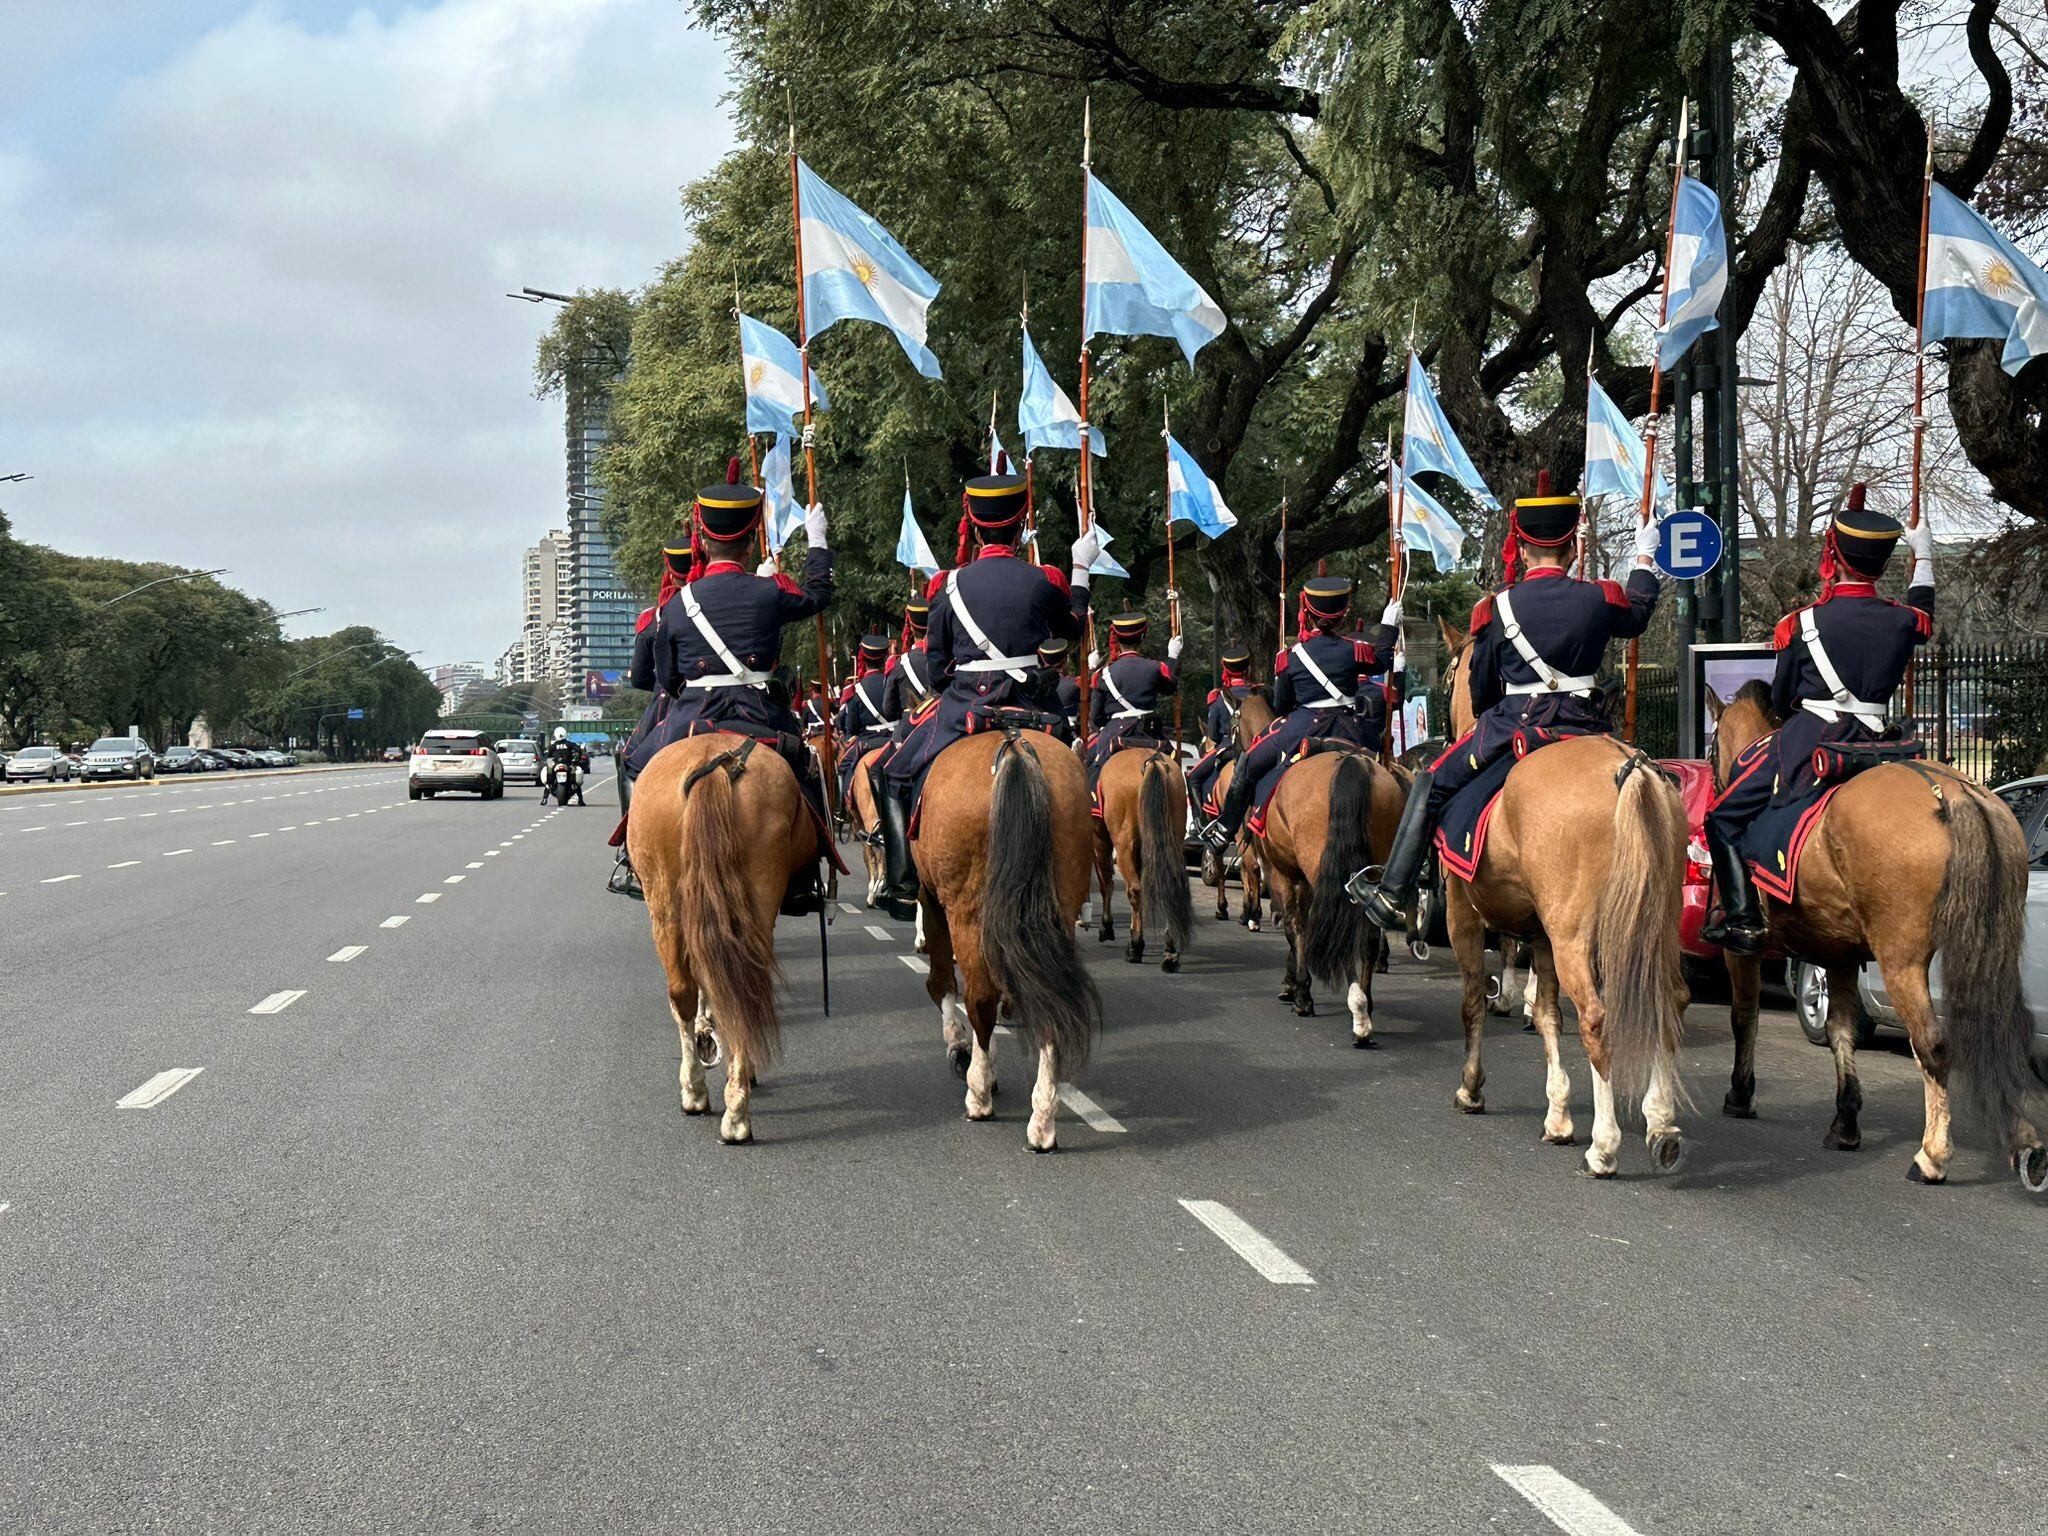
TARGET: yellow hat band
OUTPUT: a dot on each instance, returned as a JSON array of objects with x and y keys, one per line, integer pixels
[
  {"x": 1867, "y": 533},
  {"x": 1547, "y": 501},
  {"x": 995, "y": 490},
  {"x": 744, "y": 501}
]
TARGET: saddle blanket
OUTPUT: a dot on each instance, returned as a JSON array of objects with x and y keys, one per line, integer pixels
[
  {"x": 1772, "y": 844},
  {"x": 1461, "y": 830},
  {"x": 1128, "y": 744}
]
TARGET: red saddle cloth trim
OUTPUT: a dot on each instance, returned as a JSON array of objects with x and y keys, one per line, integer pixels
[{"x": 1780, "y": 884}]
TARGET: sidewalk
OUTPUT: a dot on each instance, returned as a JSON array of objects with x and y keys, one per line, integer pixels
[{"x": 179, "y": 778}]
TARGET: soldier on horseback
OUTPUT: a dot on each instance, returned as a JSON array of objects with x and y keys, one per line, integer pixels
[
  {"x": 1320, "y": 686},
  {"x": 1538, "y": 644},
  {"x": 1219, "y": 725},
  {"x": 988, "y": 617},
  {"x": 1840, "y": 660},
  {"x": 911, "y": 686},
  {"x": 1065, "y": 698},
  {"x": 633, "y": 752},
  {"x": 868, "y": 710},
  {"x": 718, "y": 639},
  {"x": 1130, "y": 691}
]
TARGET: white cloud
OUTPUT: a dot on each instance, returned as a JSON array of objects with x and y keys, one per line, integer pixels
[{"x": 254, "y": 317}]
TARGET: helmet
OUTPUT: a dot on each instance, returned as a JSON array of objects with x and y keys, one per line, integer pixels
[{"x": 561, "y": 733}]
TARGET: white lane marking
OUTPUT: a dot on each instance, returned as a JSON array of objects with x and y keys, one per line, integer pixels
[
  {"x": 473, "y": 866},
  {"x": 347, "y": 953},
  {"x": 277, "y": 1002},
  {"x": 1248, "y": 1243},
  {"x": 517, "y": 836},
  {"x": 224, "y": 842},
  {"x": 180, "y": 810},
  {"x": 1097, "y": 1117},
  {"x": 74, "y": 823},
  {"x": 59, "y": 879},
  {"x": 914, "y": 963},
  {"x": 430, "y": 896},
  {"x": 394, "y": 922},
  {"x": 849, "y": 908},
  {"x": 352, "y": 815},
  {"x": 878, "y": 931},
  {"x": 113, "y": 818},
  {"x": 174, "y": 852},
  {"x": 504, "y": 845},
  {"x": 259, "y": 834},
  {"x": 489, "y": 853},
  {"x": 208, "y": 806},
  {"x": 158, "y": 1088},
  {"x": 455, "y": 880},
  {"x": 144, "y": 816},
  {"x": 35, "y": 829},
  {"x": 292, "y": 828},
  {"x": 125, "y": 864},
  {"x": 1563, "y": 1502}
]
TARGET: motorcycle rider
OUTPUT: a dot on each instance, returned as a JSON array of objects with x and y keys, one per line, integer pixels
[{"x": 564, "y": 756}]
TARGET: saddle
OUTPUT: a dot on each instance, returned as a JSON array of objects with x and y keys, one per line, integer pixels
[
  {"x": 1012, "y": 718},
  {"x": 1773, "y": 843},
  {"x": 1837, "y": 761}
]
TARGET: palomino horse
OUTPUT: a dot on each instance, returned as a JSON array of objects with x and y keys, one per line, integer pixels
[
  {"x": 1250, "y": 872},
  {"x": 718, "y": 828},
  {"x": 1144, "y": 824},
  {"x": 1585, "y": 856},
  {"x": 1334, "y": 811},
  {"x": 867, "y": 822},
  {"x": 1907, "y": 860},
  {"x": 1003, "y": 851}
]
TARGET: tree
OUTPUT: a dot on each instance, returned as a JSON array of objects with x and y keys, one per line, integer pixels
[{"x": 38, "y": 620}]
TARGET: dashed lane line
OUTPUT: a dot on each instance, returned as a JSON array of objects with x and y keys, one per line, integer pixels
[
  {"x": 878, "y": 931},
  {"x": 475, "y": 865},
  {"x": 455, "y": 880},
  {"x": 125, "y": 864},
  {"x": 158, "y": 1088},
  {"x": 430, "y": 896},
  {"x": 277, "y": 1002},
  {"x": 914, "y": 962},
  {"x": 1093, "y": 1113},
  {"x": 849, "y": 909},
  {"x": 1248, "y": 1242},
  {"x": 394, "y": 922},
  {"x": 347, "y": 953},
  {"x": 1563, "y": 1502},
  {"x": 172, "y": 853},
  {"x": 226, "y": 842},
  {"x": 57, "y": 879}
]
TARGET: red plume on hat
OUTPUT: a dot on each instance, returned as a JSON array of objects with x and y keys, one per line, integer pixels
[
  {"x": 1511, "y": 547},
  {"x": 1830, "y": 555},
  {"x": 732, "y": 477}
]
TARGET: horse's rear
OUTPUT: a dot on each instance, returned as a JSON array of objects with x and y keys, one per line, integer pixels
[
  {"x": 1585, "y": 855},
  {"x": 1004, "y": 854},
  {"x": 1145, "y": 815},
  {"x": 1332, "y": 814},
  {"x": 718, "y": 828}
]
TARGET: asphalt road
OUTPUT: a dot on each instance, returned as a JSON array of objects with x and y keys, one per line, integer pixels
[{"x": 429, "y": 1246}]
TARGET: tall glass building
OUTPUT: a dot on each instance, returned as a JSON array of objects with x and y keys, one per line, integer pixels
[{"x": 600, "y": 611}]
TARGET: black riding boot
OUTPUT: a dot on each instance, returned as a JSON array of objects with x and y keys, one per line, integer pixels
[
  {"x": 1387, "y": 899},
  {"x": 1222, "y": 832},
  {"x": 898, "y": 896},
  {"x": 1740, "y": 929},
  {"x": 805, "y": 893}
]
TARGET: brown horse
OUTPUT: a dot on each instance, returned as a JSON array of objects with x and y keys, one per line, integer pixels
[
  {"x": 1003, "y": 852},
  {"x": 867, "y": 822},
  {"x": 1333, "y": 813},
  {"x": 1907, "y": 860},
  {"x": 718, "y": 828},
  {"x": 1585, "y": 856},
  {"x": 1144, "y": 825},
  {"x": 1250, "y": 869}
]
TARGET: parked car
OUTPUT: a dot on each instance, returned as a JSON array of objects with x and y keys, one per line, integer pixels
[
  {"x": 181, "y": 760},
  {"x": 454, "y": 760},
  {"x": 521, "y": 759},
  {"x": 118, "y": 757},
  {"x": 1809, "y": 983},
  {"x": 394, "y": 754},
  {"x": 45, "y": 763}
]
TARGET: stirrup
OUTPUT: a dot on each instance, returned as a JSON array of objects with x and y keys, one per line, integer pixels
[
  {"x": 1215, "y": 834},
  {"x": 622, "y": 881}
]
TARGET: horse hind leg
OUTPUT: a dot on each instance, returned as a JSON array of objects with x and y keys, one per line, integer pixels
[
  {"x": 942, "y": 988},
  {"x": 1468, "y": 944},
  {"x": 1846, "y": 1133},
  {"x": 736, "y": 1126},
  {"x": 1557, "y": 1082},
  {"x": 1575, "y": 976},
  {"x": 981, "y": 1065},
  {"x": 1907, "y": 985},
  {"x": 1358, "y": 995},
  {"x": 1043, "y": 1131},
  {"x": 1745, "y": 986}
]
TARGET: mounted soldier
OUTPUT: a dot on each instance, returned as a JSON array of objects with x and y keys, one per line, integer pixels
[
  {"x": 1840, "y": 660},
  {"x": 1130, "y": 691},
  {"x": 630, "y": 758},
  {"x": 1537, "y": 646},
  {"x": 1320, "y": 687},
  {"x": 867, "y": 710},
  {"x": 1063, "y": 692},
  {"x": 1219, "y": 724},
  {"x": 988, "y": 617},
  {"x": 911, "y": 685}
]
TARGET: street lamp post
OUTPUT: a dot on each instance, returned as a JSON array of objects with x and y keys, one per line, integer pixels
[{"x": 181, "y": 576}]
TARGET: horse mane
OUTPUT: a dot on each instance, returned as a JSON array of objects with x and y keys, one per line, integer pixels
[{"x": 1758, "y": 692}]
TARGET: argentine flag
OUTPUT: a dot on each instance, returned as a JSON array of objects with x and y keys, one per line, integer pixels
[
  {"x": 1426, "y": 527},
  {"x": 855, "y": 270},
  {"x": 1192, "y": 496},
  {"x": 1614, "y": 453},
  {"x": 774, "y": 374},
  {"x": 1428, "y": 445},
  {"x": 1045, "y": 415},
  {"x": 1134, "y": 287},
  {"x": 1105, "y": 563},
  {"x": 913, "y": 550},
  {"x": 1699, "y": 271},
  {"x": 1978, "y": 283},
  {"x": 782, "y": 516}
]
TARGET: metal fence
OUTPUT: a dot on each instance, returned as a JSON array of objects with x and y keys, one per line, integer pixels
[{"x": 1983, "y": 708}]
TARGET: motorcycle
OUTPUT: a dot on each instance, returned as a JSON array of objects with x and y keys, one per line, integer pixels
[{"x": 561, "y": 783}]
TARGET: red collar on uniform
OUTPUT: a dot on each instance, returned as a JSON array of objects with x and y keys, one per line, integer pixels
[
  {"x": 716, "y": 566},
  {"x": 1538, "y": 572},
  {"x": 1004, "y": 550},
  {"x": 1855, "y": 589}
]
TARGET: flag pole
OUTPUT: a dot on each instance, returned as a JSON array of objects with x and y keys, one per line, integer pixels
[
  {"x": 1082, "y": 503},
  {"x": 1920, "y": 365},
  {"x": 827, "y": 768},
  {"x": 753, "y": 457},
  {"x": 1628, "y": 723},
  {"x": 1283, "y": 570},
  {"x": 1592, "y": 341},
  {"x": 1172, "y": 585},
  {"x": 1394, "y": 527}
]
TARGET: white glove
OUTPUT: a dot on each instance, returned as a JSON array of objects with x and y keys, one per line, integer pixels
[
  {"x": 1920, "y": 540},
  {"x": 767, "y": 567},
  {"x": 814, "y": 526},
  {"x": 1393, "y": 613},
  {"x": 1646, "y": 544},
  {"x": 1085, "y": 549},
  {"x": 1173, "y": 649},
  {"x": 1095, "y": 661}
]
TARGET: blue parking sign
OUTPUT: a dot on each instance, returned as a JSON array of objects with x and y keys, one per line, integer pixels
[{"x": 1688, "y": 544}]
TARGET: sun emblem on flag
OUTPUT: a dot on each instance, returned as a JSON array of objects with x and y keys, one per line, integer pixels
[
  {"x": 2001, "y": 280},
  {"x": 865, "y": 271},
  {"x": 756, "y": 374}
]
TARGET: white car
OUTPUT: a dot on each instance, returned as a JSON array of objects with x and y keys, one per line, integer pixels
[
  {"x": 521, "y": 760},
  {"x": 45, "y": 763},
  {"x": 455, "y": 760},
  {"x": 118, "y": 757}
]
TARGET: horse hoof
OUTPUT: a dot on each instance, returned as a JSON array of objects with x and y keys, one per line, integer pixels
[
  {"x": 959, "y": 1056},
  {"x": 1918, "y": 1175},
  {"x": 697, "y": 1109},
  {"x": 1105, "y": 936},
  {"x": 737, "y": 1138},
  {"x": 1561, "y": 1138},
  {"x": 1304, "y": 1010},
  {"x": 1222, "y": 917},
  {"x": 1170, "y": 965},
  {"x": 1667, "y": 1151},
  {"x": 1364, "y": 1043},
  {"x": 1471, "y": 1103},
  {"x": 1589, "y": 1171},
  {"x": 1738, "y": 1109},
  {"x": 1049, "y": 1147},
  {"x": 2032, "y": 1167},
  {"x": 1837, "y": 1140},
  {"x": 1251, "y": 925},
  {"x": 1133, "y": 955}
]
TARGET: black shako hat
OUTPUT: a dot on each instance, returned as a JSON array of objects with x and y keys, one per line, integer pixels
[
  {"x": 1864, "y": 538},
  {"x": 1053, "y": 652},
  {"x": 1129, "y": 625},
  {"x": 728, "y": 511},
  {"x": 1327, "y": 597},
  {"x": 1546, "y": 520},
  {"x": 995, "y": 501}
]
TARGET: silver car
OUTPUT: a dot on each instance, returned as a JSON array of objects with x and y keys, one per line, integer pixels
[
  {"x": 45, "y": 763},
  {"x": 521, "y": 760},
  {"x": 454, "y": 760},
  {"x": 118, "y": 757},
  {"x": 2029, "y": 801}
]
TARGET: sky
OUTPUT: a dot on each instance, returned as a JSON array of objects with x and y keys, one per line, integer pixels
[{"x": 253, "y": 259}]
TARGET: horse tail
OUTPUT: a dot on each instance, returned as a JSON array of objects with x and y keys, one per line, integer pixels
[
  {"x": 1168, "y": 908},
  {"x": 1979, "y": 916},
  {"x": 732, "y": 955},
  {"x": 1027, "y": 943},
  {"x": 1635, "y": 953},
  {"x": 1335, "y": 925}
]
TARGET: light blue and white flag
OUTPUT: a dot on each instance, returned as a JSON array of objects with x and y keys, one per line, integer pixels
[
  {"x": 782, "y": 516},
  {"x": 1105, "y": 563},
  {"x": 1427, "y": 528},
  {"x": 1134, "y": 288},
  {"x": 1979, "y": 284},
  {"x": 1699, "y": 271},
  {"x": 855, "y": 270},
  {"x": 773, "y": 370},
  {"x": 1045, "y": 415},
  {"x": 1428, "y": 445},
  {"x": 1614, "y": 453},
  {"x": 913, "y": 550},
  {"x": 1192, "y": 496}
]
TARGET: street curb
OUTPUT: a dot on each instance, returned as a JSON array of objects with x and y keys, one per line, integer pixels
[{"x": 237, "y": 775}]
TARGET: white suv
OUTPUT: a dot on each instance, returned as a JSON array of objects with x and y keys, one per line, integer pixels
[{"x": 455, "y": 760}]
